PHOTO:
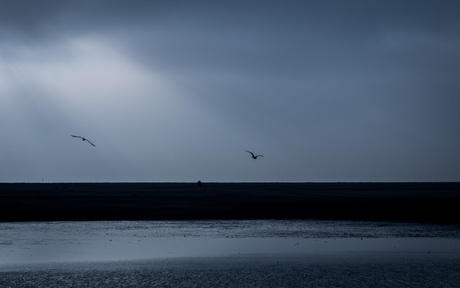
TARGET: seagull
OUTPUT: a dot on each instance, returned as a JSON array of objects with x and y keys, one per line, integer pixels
[
  {"x": 254, "y": 156},
  {"x": 84, "y": 139}
]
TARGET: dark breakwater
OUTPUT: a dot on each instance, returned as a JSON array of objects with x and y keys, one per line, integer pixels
[{"x": 395, "y": 202}]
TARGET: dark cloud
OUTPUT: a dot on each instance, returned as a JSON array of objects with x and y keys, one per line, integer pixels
[{"x": 346, "y": 90}]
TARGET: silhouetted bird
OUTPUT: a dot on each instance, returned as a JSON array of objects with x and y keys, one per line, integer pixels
[
  {"x": 254, "y": 156},
  {"x": 84, "y": 139}
]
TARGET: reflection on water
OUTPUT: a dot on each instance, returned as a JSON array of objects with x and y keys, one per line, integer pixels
[{"x": 126, "y": 240}]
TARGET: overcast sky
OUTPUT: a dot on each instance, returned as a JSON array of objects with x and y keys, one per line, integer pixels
[{"x": 178, "y": 90}]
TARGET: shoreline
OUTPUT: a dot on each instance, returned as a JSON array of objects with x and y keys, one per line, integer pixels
[{"x": 424, "y": 202}]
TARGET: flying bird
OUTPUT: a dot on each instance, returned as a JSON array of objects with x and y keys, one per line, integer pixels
[
  {"x": 84, "y": 139},
  {"x": 254, "y": 156}
]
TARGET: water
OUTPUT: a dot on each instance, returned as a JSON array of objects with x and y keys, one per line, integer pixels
[{"x": 228, "y": 253}]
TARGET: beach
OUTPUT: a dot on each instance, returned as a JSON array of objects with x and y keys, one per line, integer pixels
[
  {"x": 229, "y": 235},
  {"x": 242, "y": 272},
  {"x": 237, "y": 253},
  {"x": 398, "y": 202}
]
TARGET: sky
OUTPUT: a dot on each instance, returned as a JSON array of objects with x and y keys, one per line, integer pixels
[{"x": 176, "y": 91}]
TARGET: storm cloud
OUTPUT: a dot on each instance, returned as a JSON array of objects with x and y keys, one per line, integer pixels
[{"x": 177, "y": 90}]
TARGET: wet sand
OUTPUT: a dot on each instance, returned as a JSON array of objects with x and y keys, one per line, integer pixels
[
  {"x": 249, "y": 253},
  {"x": 260, "y": 271},
  {"x": 397, "y": 202}
]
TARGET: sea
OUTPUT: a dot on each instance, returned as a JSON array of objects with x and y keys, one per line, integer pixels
[{"x": 252, "y": 253}]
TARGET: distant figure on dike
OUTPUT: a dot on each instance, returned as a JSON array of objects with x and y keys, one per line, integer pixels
[
  {"x": 199, "y": 183},
  {"x": 254, "y": 156}
]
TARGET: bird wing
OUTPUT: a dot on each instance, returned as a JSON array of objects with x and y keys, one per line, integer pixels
[
  {"x": 250, "y": 152},
  {"x": 259, "y": 156},
  {"x": 84, "y": 139},
  {"x": 90, "y": 142}
]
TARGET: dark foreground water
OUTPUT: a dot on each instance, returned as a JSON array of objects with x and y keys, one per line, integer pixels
[
  {"x": 228, "y": 254},
  {"x": 257, "y": 271}
]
